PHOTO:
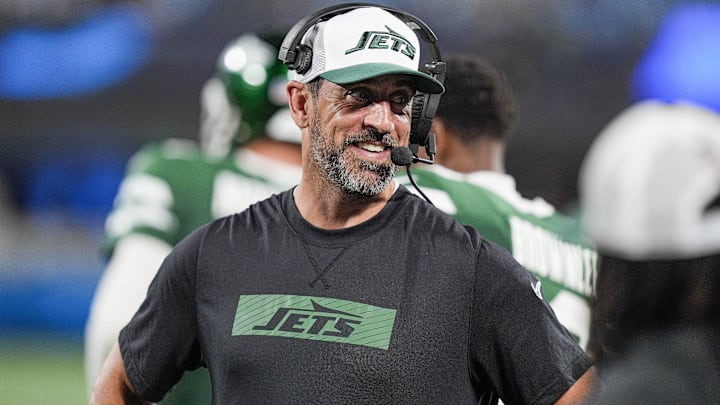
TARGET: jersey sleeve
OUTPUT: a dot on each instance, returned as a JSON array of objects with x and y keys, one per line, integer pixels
[
  {"x": 161, "y": 340},
  {"x": 516, "y": 341},
  {"x": 150, "y": 198}
]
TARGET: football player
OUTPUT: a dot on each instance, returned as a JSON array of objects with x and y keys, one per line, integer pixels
[
  {"x": 472, "y": 123},
  {"x": 249, "y": 149}
]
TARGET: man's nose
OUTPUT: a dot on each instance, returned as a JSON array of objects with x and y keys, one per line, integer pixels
[{"x": 379, "y": 115}]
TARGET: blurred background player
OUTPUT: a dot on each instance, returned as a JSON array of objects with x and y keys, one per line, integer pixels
[
  {"x": 472, "y": 124},
  {"x": 249, "y": 149},
  {"x": 650, "y": 198}
]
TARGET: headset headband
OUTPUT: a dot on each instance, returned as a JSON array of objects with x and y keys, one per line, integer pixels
[{"x": 288, "y": 53}]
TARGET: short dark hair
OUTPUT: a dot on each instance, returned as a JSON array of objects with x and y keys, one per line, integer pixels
[
  {"x": 638, "y": 298},
  {"x": 478, "y": 99}
]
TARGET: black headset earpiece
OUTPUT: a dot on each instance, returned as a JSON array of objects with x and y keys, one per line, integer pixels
[
  {"x": 424, "y": 108},
  {"x": 298, "y": 57},
  {"x": 304, "y": 58}
]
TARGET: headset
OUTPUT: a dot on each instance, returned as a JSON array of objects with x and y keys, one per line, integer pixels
[{"x": 298, "y": 57}]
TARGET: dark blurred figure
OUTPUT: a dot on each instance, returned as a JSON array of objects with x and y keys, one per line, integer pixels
[{"x": 649, "y": 190}]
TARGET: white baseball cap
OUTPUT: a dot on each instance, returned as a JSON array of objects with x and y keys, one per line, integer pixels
[
  {"x": 363, "y": 43},
  {"x": 648, "y": 180}
]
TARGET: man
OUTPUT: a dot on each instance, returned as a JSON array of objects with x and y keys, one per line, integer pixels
[
  {"x": 650, "y": 199},
  {"x": 250, "y": 149},
  {"x": 472, "y": 125},
  {"x": 348, "y": 288}
]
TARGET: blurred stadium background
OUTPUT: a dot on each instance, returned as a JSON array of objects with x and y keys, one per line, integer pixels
[{"x": 83, "y": 83}]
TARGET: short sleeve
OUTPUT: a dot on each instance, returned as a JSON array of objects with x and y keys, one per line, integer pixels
[
  {"x": 517, "y": 345},
  {"x": 161, "y": 340}
]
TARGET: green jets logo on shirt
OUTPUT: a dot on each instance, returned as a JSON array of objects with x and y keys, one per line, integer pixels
[
  {"x": 314, "y": 318},
  {"x": 384, "y": 40}
]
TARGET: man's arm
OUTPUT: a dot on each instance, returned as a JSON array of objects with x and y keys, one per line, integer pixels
[
  {"x": 120, "y": 292},
  {"x": 580, "y": 391},
  {"x": 113, "y": 386}
]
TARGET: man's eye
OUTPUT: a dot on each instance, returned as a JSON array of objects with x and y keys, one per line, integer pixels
[
  {"x": 359, "y": 95},
  {"x": 400, "y": 100}
]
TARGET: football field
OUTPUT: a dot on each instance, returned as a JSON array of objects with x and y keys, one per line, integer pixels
[
  {"x": 41, "y": 369},
  {"x": 45, "y": 295}
]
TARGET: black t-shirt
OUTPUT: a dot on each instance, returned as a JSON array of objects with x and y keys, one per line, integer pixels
[{"x": 407, "y": 307}]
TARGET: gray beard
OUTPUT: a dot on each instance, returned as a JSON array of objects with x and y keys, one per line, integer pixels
[{"x": 367, "y": 179}]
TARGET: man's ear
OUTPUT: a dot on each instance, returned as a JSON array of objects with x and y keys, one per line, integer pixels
[
  {"x": 438, "y": 128},
  {"x": 298, "y": 95}
]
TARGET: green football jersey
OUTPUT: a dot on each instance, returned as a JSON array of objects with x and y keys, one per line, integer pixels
[
  {"x": 171, "y": 188},
  {"x": 546, "y": 242}
]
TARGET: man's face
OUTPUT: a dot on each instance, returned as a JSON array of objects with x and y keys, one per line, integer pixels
[{"x": 355, "y": 127}]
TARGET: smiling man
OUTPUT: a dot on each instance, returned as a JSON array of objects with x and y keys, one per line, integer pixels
[
  {"x": 347, "y": 288},
  {"x": 369, "y": 146}
]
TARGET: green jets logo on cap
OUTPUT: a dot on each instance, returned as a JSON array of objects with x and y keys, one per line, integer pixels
[
  {"x": 314, "y": 318},
  {"x": 384, "y": 40}
]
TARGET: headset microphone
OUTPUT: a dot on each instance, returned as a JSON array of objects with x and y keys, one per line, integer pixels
[{"x": 403, "y": 156}]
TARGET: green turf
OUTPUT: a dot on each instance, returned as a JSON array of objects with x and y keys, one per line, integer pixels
[{"x": 41, "y": 370}]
